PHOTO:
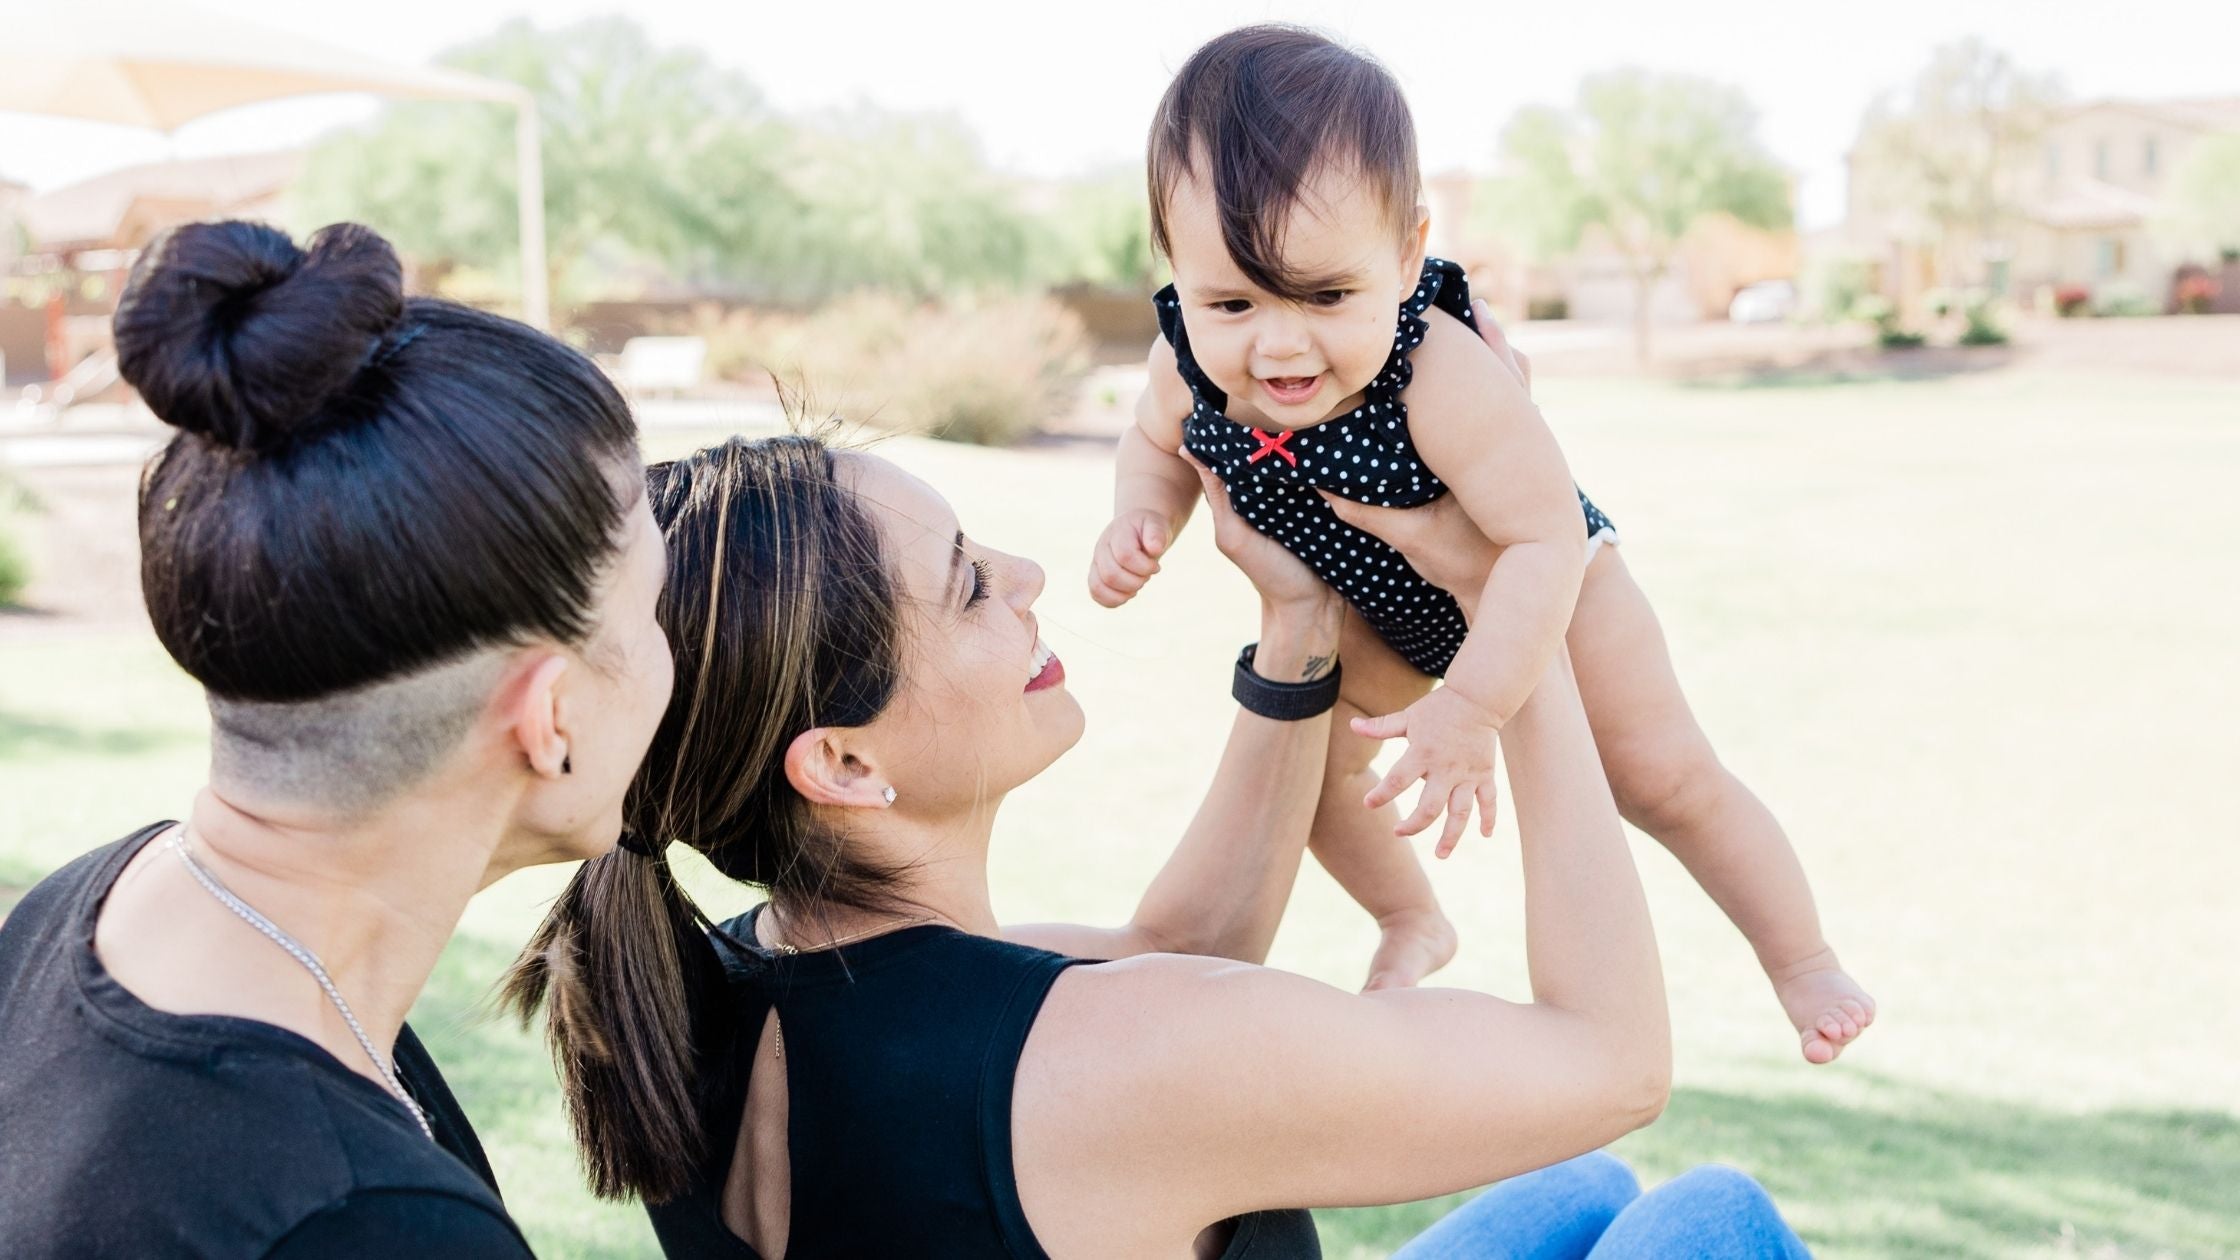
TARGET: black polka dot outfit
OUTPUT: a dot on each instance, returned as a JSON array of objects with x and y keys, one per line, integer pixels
[{"x": 1365, "y": 455}]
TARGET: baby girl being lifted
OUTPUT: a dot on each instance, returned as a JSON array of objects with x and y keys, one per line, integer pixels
[{"x": 1311, "y": 352}]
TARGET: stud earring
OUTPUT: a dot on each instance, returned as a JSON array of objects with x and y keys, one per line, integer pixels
[
  {"x": 567, "y": 764},
  {"x": 889, "y": 794}
]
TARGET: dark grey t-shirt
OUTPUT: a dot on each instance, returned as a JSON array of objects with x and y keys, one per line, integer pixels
[{"x": 127, "y": 1131}]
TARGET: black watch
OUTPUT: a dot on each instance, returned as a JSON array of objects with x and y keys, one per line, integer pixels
[{"x": 1284, "y": 702}]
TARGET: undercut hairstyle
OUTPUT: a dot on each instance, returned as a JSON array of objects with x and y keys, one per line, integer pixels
[
  {"x": 785, "y": 615},
  {"x": 1257, "y": 113},
  {"x": 364, "y": 488},
  {"x": 355, "y": 749}
]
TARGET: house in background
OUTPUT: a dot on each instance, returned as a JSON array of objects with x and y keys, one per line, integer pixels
[
  {"x": 12, "y": 195},
  {"x": 1718, "y": 258},
  {"x": 122, "y": 210},
  {"x": 2103, "y": 171},
  {"x": 2084, "y": 208},
  {"x": 91, "y": 231},
  {"x": 22, "y": 343}
]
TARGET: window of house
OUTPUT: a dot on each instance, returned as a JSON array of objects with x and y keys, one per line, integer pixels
[
  {"x": 2053, "y": 160},
  {"x": 2100, "y": 160},
  {"x": 2148, "y": 157},
  {"x": 2111, "y": 256}
]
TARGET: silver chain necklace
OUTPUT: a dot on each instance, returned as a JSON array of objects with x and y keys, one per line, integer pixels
[{"x": 248, "y": 914}]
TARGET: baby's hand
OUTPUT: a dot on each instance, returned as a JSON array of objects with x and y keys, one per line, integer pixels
[
  {"x": 1127, "y": 555},
  {"x": 1450, "y": 747}
]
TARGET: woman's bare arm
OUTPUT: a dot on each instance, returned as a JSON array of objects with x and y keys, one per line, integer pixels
[
  {"x": 1194, "y": 1089},
  {"x": 1224, "y": 889}
]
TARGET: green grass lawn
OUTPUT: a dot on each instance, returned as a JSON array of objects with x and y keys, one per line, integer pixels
[{"x": 1973, "y": 639}]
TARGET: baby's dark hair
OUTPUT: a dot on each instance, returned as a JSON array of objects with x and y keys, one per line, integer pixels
[{"x": 1257, "y": 112}]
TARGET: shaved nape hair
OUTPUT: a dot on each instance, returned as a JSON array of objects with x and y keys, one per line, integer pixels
[{"x": 350, "y": 752}]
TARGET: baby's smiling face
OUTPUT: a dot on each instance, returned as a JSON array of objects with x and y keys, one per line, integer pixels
[{"x": 1290, "y": 364}]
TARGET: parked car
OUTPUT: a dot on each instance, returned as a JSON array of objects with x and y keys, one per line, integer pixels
[{"x": 1766, "y": 302}]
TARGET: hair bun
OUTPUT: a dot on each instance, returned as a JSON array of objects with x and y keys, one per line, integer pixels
[{"x": 231, "y": 331}]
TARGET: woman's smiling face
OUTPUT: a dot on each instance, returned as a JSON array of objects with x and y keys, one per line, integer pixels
[{"x": 983, "y": 705}]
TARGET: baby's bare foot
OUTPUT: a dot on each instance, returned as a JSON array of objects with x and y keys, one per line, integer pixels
[
  {"x": 1827, "y": 1006},
  {"x": 1415, "y": 944}
]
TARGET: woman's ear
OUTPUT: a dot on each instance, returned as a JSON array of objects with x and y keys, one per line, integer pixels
[
  {"x": 538, "y": 726},
  {"x": 820, "y": 766}
]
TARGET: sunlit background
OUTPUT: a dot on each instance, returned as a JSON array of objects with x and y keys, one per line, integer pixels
[{"x": 1903, "y": 342}]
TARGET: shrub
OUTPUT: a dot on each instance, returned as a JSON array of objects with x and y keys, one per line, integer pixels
[
  {"x": 1837, "y": 286},
  {"x": 1983, "y": 326},
  {"x": 988, "y": 371},
  {"x": 1547, "y": 308},
  {"x": 2118, "y": 301},
  {"x": 991, "y": 374},
  {"x": 1940, "y": 302},
  {"x": 1873, "y": 308},
  {"x": 15, "y": 571},
  {"x": 2071, "y": 300},
  {"x": 738, "y": 340},
  {"x": 1878, "y": 310},
  {"x": 2197, "y": 295}
]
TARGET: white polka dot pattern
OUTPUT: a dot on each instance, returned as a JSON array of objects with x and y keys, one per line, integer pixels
[{"x": 1365, "y": 455}]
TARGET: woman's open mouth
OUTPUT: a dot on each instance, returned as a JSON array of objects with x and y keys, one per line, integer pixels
[
  {"x": 1049, "y": 671},
  {"x": 1290, "y": 391}
]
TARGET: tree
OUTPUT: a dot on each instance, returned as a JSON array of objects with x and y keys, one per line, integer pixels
[
  {"x": 1641, "y": 157},
  {"x": 649, "y": 154},
  {"x": 658, "y": 159},
  {"x": 1100, "y": 227},
  {"x": 1951, "y": 156},
  {"x": 2204, "y": 199},
  {"x": 905, "y": 202}
]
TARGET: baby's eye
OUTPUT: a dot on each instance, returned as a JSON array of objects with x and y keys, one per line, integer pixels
[
  {"x": 1328, "y": 297},
  {"x": 1234, "y": 306}
]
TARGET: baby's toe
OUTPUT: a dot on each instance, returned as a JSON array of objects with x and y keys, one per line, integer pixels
[{"x": 1818, "y": 1049}]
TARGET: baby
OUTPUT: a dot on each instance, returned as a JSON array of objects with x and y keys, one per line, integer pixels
[{"x": 1309, "y": 349}]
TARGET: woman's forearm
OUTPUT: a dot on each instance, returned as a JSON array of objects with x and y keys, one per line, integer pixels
[
  {"x": 1224, "y": 890},
  {"x": 1589, "y": 947}
]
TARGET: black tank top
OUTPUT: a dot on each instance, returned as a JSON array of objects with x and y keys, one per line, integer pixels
[{"x": 900, "y": 1053}]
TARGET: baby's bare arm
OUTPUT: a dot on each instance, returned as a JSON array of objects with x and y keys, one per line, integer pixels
[
  {"x": 1152, "y": 475},
  {"x": 1154, "y": 487},
  {"x": 1480, "y": 433}
]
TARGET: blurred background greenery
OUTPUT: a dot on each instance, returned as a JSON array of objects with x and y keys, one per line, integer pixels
[{"x": 1927, "y": 471}]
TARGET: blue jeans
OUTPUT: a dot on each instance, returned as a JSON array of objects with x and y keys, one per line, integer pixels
[{"x": 1592, "y": 1207}]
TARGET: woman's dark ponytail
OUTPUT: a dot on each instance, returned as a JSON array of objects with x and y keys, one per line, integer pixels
[
  {"x": 783, "y": 616},
  {"x": 625, "y": 964}
]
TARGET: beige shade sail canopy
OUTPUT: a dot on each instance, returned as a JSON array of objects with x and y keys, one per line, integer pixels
[{"x": 162, "y": 65}]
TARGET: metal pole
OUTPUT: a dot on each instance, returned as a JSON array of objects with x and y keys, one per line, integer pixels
[{"x": 536, "y": 297}]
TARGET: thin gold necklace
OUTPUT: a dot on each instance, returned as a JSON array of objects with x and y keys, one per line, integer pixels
[
  {"x": 837, "y": 941},
  {"x": 778, "y": 1039}
]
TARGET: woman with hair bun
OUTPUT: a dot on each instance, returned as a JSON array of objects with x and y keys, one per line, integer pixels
[{"x": 405, "y": 548}]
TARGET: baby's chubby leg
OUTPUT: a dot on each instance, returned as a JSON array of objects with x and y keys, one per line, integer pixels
[
  {"x": 1356, "y": 844},
  {"x": 1669, "y": 782}
]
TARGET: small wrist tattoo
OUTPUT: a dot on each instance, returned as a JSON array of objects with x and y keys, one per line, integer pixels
[{"x": 1316, "y": 667}]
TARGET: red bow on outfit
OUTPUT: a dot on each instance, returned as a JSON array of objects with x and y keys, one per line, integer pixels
[{"x": 1273, "y": 444}]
